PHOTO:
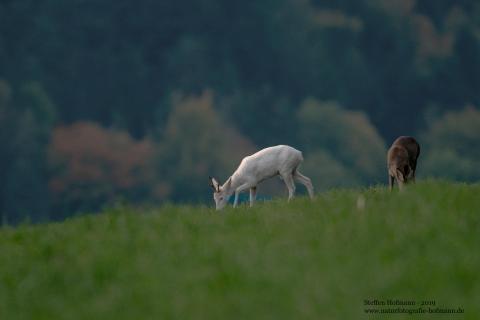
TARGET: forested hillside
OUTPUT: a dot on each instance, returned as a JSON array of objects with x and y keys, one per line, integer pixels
[{"x": 104, "y": 101}]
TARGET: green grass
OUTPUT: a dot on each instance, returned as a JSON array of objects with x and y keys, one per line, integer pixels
[{"x": 301, "y": 260}]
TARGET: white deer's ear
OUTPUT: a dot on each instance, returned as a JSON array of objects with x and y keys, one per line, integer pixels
[
  {"x": 228, "y": 184},
  {"x": 214, "y": 184}
]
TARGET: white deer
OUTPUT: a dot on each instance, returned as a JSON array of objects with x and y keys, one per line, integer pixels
[{"x": 279, "y": 160}]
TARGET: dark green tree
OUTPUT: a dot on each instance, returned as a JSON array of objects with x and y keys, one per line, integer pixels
[
  {"x": 26, "y": 121},
  {"x": 343, "y": 143},
  {"x": 452, "y": 146}
]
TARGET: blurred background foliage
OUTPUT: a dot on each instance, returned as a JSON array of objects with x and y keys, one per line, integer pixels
[
  {"x": 104, "y": 100},
  {"x": 453, "y": 146},
  {"x": 343, "y": 147}
]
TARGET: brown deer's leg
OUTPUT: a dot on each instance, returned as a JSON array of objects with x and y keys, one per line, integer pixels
[
  {"x": 414, "y": 167},
  {"x": 391, "y": 181}
]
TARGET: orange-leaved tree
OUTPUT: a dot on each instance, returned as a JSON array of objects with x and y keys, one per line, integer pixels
[{"x": 94, "y": 166}]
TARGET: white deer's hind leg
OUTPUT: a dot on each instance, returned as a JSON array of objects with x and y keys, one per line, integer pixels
[
  {"x": 288, "y": 179},
  {"x": 305, "y": 181}
]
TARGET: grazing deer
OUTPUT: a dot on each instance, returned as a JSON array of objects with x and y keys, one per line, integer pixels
[
  {"x": 402, "y": 161},
  {"x": 267, "y": 163}
]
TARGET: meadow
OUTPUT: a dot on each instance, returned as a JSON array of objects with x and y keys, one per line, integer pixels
[{"x": 278, "y": 260}]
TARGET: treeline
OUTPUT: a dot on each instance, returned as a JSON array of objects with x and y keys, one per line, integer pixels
[{"x": 107, "y": 100}]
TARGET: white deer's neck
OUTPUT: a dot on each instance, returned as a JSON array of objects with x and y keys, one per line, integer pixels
[{"x": 236, "y": 182}]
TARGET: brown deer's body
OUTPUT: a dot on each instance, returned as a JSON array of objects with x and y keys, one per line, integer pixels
[{"x": 402, "y": 161}]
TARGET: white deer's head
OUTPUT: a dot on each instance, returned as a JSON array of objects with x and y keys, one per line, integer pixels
[{"x": 221, "y": 194}]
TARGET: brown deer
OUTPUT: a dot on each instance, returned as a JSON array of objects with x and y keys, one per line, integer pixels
[{"x": 402, "y": 161}]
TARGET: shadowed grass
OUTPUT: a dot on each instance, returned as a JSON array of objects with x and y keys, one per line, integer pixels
[{"x": 278, "y": 260}]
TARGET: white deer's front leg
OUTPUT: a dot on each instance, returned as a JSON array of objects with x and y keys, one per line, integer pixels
[
  {"x": 243, "y": 187},
  {"x": 235, "y": 202},
  {"x": 253, "y": 195}
]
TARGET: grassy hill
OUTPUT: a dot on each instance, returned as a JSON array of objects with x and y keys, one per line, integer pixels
[{"x": 279, "y": 260}]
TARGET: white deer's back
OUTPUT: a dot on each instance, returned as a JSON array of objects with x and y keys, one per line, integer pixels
[
  {"x": 279, "y": 160},
  {"x": 269, "y": 162}
]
